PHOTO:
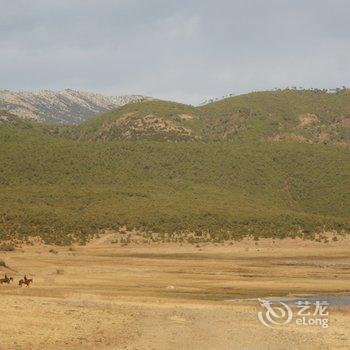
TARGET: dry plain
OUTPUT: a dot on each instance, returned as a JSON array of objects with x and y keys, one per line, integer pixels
[{"x": 166, "y": 296}]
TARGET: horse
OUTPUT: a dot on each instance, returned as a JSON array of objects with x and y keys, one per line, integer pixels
[
  {"x": 27, "y": 282},
  {"x": 6, "y": 280}
]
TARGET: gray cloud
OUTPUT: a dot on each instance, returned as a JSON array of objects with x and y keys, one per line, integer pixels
[{"x": 183, "y": 50}]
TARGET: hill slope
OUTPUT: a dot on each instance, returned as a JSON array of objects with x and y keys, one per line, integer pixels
[
  {"x": 60, "y": 183},
  {"x": 10, "y": 120},
  {"x": 61, "y": 107},
  {"x": 151, "y": 120},
  {"x": 58, "y": 188},
  {"x": 311, "y": 116},
  {"x": 298, "y": 116}
]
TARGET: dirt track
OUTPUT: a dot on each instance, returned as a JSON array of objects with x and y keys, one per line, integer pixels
[{"x": 105, "y": 296}]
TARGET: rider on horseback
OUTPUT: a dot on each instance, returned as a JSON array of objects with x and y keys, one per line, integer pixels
[
  {"x": 6, "y": 279},
  {"x": 26, "y": 281}
]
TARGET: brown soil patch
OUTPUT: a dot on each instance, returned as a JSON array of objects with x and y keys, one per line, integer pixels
[
  {"x": 307, "y": 119},
  {"x": 186, "y": 117}
]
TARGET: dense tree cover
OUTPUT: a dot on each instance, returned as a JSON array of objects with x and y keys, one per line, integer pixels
[
  {"x": 61, "y": 188},
  {"x": 222, "y": 171}
]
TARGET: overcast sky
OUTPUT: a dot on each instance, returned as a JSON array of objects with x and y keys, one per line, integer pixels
[{"x": 174, "y": 49}]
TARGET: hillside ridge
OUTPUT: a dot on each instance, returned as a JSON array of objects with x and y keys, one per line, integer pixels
[{"x": 299, "y": 116}]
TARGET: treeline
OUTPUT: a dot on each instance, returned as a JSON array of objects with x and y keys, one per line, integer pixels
[{"x": 66, "y": 190}]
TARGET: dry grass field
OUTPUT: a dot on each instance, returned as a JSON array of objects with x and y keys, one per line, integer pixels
[{"x": 166, "y": 296}]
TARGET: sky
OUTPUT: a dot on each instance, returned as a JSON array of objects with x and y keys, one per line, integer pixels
[{"x": 183, "y": 50}]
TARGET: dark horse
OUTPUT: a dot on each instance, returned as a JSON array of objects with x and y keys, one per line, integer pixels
[
  {"x": 6, "y": 280},
  {"x": 26, "y": 281}
]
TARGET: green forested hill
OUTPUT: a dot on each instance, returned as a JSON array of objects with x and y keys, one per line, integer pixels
[
  {"x": 309, "y": 116},
  {"x": 305, "y": 116},
  {"x": 73, "y": 181},
  {"x": 149, "y": 120},
  {"x": 55, "y": 187}
]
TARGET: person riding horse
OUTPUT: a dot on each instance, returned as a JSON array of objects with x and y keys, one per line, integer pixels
[
  {"x": 6, "y": 279},
  {"x": 26, "y": 281}
]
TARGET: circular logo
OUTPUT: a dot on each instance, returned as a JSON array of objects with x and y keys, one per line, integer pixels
[{"x": 274, "y": 313}]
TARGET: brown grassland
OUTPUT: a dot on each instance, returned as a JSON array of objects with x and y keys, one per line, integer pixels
[{"x": 166, "y": 296}]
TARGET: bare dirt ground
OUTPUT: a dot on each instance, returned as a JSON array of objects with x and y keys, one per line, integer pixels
[{"x": 167, "y": 296}]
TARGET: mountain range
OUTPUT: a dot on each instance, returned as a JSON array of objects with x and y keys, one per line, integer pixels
[
  {"x": 304, "y": 116},
  {"x": 61, "y": 107},
  {"x": 270, "y": 163}
]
